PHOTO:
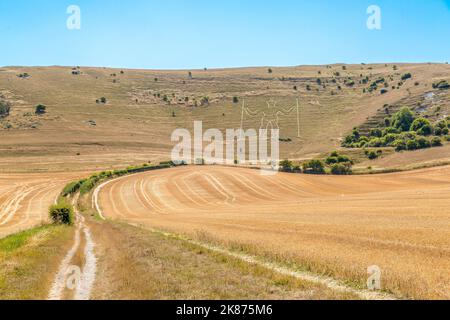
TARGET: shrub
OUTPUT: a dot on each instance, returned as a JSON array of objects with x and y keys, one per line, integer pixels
[
  {"x": 342, "y": 159},
  {"x": 61, "y": 214},
  {"x": 423, "y": 143},
  {"x": 71, "y": 188},
  {"x": 375, "y": 143},
  {"x": 341, "y": 168},
  {"x": 412, "y": 145},
  {"x": 286, "y": 165},
  {"x": 403, "y": 119},
  {"x": 331, "y": 160},
  {"x": 88, "y": 185},
  {"x": 390, "y": 138},
  {"x": 372, "y": 155},
  {"x": 436, "y": 142},
  {"x": 422, "y": 126},
  {"x": 4, "y": 109},
  {"x": 399, "y": 145},
  {"x": 441, "y": 85},
  {"x": 40, "y": 109},
  {"x": 441, "y": 128},
  {"x": 204, "y": 101},
  {"x": 376, "y": 133},
  {"x": 334, "y": 154},
  {"x": 314, "y": 167},
  {"x": 269, "y": 70},
  {"x": 390, "y": 130},
  {"x": 406, "y": 76},
  {"x": 235, "y": 100}
]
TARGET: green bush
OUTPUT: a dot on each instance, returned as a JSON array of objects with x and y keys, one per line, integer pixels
[
  {"x": 390, "y": 138},
  {"x": 412, "y": 145},
  {"x": 441, "y": 128},
  {"x": 40, "y": 109},
  {"x": 403, "y": 119},
  {"x": 286, "y": 165},
  {"x": 376, "y": 133},
  {"x": 372, "y": 155},
  {"x": 341, "y": 168},
  {"x": 71, "y": 188},
  {"x": 422, "y": 126},
  {"x": 442, "y": 85},
  {"x": 334, "y": 154},
  {"x": 399, "y": 145},
  {"x": 423, "y": 143},
  {"x": 406, "y": 76},
  {"x": 436, "y": 142},
  {"x": 4, "y": 109},
  {"x": 389, "y": 130},
  {"x": 314, "y": 167},
  {"x": 375, "y": 143},
  {"x": 331, "y": 160},
  {"x": 61, "y": 214}
]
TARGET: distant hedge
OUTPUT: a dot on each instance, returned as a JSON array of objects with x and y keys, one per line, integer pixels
[{"x": 86, "y": 185}]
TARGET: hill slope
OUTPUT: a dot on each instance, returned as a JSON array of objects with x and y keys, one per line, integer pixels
[{"x": 143, "y": 107}]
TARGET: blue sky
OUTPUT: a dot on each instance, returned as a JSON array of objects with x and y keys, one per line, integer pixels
[{"x": 185, "y": 34}]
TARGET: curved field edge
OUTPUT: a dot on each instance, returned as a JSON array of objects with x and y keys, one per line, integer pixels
[
  {"x": 395, "y": 238},
  {"x": 29, "y": 259},
  {"x": 241, "y": 252}
]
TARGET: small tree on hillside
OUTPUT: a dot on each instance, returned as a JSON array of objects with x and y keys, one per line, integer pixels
[
  {"x": 403, "y": 119},
  {"x": 286, "y": 165},
  {"x": 40, "y": 109},
  {"x": 422, "y": 126},
  {"x": 314, "y": 167},
  {"x": 4, "y": 109}
]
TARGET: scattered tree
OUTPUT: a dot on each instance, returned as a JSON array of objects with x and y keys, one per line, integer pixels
[
  {"x": 314, "y": 167},
  {"x": 5, "y": 107},
  {"x": 40, "y": 109}
]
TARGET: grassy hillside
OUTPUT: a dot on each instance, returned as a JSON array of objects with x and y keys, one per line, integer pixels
[{"x": 143, "y": 107}]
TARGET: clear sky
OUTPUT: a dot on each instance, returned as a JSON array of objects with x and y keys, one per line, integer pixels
[{"x": 185, "y": 34}]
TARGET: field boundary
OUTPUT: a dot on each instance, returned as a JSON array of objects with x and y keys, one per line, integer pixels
[{"x": 329, "y": 282}]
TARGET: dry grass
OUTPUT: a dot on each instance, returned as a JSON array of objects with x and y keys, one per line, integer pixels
[
  {"x": 29, "y": 261},
  {"x": 138, "y": 264},
  {"x": 335, "y": 226},
  {"x": 129, "y": 132}
]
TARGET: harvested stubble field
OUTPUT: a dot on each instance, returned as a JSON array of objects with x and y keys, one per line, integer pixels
[
  {"x": 329, "y": 225},
  {"x": 26, "y": 197}
]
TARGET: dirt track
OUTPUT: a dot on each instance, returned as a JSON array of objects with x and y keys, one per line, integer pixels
[
  {"x": 333, "y": 225},
  {"x": 25, "y": 199}
]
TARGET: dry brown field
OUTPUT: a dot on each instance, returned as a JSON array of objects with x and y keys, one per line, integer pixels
[
  {"x": 26, "y": 197},
  {"x": 330, "y": 225}
]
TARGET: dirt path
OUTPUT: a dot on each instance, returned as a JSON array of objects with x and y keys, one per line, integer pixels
[
  {"x": 329, "y": 225},
  {"x": 81, "y": 278}
]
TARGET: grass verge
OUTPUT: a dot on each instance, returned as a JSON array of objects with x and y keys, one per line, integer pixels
[
  {"x": 29, "y": 261},
  {"x": 135, "y": 263}
]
